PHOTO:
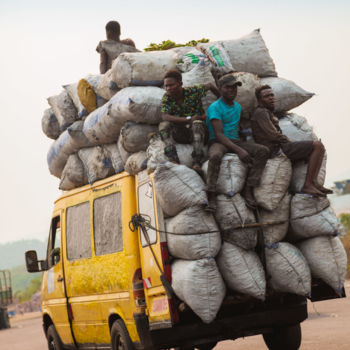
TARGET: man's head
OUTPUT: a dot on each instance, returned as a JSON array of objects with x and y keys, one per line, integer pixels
[
  {"x": 228, "y": 87},
  {"x": 113, "y": 30},
  {"x": 265, "y": 97},
  {"x": 173, "y": 82}
]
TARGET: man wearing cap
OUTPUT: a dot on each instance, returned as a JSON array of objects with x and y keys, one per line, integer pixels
[{"x": 223, "y": 117}]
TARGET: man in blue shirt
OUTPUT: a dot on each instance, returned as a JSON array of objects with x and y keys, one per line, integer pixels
[{"x": 223, "y": 117}]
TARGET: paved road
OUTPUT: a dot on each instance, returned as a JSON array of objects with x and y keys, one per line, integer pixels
[{"x": 327, "y": 328}]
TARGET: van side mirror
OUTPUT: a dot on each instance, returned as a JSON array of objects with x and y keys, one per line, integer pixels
[{"x": 32, "y": 262}]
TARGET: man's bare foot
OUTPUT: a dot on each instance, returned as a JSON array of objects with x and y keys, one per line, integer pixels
[
  {"x": 197, "y": 168},
  {"x": 323, "y": 189},
  {"x": 249, "y": 197},
  {"x": 211, "y": 206},
  {"x": 312, "y": 190}
]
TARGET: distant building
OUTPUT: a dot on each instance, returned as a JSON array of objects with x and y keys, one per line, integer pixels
[{"x": 342, "y": 187}]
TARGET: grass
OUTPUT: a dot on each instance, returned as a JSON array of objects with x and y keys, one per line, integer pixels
[{"x": 346, "y": 242}]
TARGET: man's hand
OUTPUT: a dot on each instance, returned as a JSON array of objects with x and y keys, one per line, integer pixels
[
  {"x": 244, "y": 156},
  {"x": 197, "y": 117},
  {"x": 283, "y": 139}
]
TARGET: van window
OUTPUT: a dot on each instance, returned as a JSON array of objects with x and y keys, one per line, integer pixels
[
  {"x": 78, "y": 232},
  {"x": 146, "y": 207},
  {"x": 54, "y": 243},
  {"x": 108, "y": 232}
]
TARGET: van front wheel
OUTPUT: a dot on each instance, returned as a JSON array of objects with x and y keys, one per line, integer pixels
[
  {"x": 120, "y": 337},
  {"x": 286, "y": 338},
  {"x": 53, "y": 339}
]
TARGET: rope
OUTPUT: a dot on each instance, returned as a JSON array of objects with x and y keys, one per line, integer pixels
[{"x": 138, "y": 220}]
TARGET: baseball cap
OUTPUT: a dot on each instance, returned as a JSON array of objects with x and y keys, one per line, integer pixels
[{"x": 229, "y": 80}]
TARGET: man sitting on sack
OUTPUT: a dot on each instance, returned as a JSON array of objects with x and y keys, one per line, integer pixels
[
  {"x": 183, "y": 117},
  {"x": 111, "y": 48},
  {"x": 223, "y": 117},
  {"x": 266, "y": 131}
]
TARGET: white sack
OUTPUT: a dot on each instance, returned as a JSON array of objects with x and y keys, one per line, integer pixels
[
  {"x": 136, "y": 163},
  {"x": 75, "y": 131},
  {"x": 73, "y": 174},
  {"x": 288, "y": 95},
  {"x": 189, "y": 245},
  {"x": 101, "y": 127},
  {"x": 242, "y": 270},
  {"x": 139, "y": 104},
  {"x": 200, "y": 75},
  {"x": 274, "y": 182},
  {"x": 178, "y": 187},
  {"x": 72, "y": 90},
  {"x": 200, "y": 285},
  {"x": 123, "y": 153},
  {"x": 287, "y": 269},
  {"x": 246, "y": 93},
  {"x": 327, "y": 259},
  {"x": 296, "y": 128},
  {"x": 59, "y": 152},
  {"x": 64, "y": 109},
  {"x": 106, "y": 87},
  {"x": 142, "y": 66},
  {"x": 275, "y": 233},
  {"x": 218, "y": 56},
  {"x": 49, "y": 124},
  {"x": 134, "y": 137},
  {"x": 115, "y": 157},
  {"x": 312, "y": 216},
  {"x": 231, "y": 212},
  {"x": 191, "y": 59},
  {"x": 231, "y": 176},
  {"x": 299, "y": 174},
  {"x": 155, "y": 153},
  {"x": 248, "y": 54},
  {"x": 96, "y": 163}
]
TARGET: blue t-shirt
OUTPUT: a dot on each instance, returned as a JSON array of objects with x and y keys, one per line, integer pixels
[{"x": 229, "y": 116}]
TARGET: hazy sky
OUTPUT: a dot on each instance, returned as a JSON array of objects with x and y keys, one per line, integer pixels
[{"x": 47, "y": 44}]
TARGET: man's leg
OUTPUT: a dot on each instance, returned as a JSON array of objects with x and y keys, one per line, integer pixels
[
  {"x": 165, "y": 131},
  {"x": 216, "y": 152},
  {"x": 314, "y": 166},
  {"x": 198, "y": 132},
  {"x": 259, "y": 154}
]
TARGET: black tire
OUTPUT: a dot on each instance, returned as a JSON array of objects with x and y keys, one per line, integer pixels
[
  {"x": 207, "y": 346},
  {"x": 286, "y": 338},
  {"x": 120, "y": 338},
  {"x": 53, "y": 340}
]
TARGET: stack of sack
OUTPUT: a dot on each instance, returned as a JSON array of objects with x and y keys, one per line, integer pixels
[
  {"x": 195, "y": 275},
  {"x": 121, "y": 134}
]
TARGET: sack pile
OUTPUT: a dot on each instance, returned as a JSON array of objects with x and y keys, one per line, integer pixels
[{"x": 121, "y": 134}]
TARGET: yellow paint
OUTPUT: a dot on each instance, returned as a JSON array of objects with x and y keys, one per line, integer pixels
[{"x": 101, "y": 286}]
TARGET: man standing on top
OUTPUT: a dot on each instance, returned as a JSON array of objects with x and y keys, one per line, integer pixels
[
  {"x": 111, "y": 48},
  {"x": 223, "y": 117},
  {"x": 266, "y": 131},
  {"x": 183, "y": 117}
]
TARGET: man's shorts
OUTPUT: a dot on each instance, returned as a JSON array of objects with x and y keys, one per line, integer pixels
[{"x": 299, "y": 150}]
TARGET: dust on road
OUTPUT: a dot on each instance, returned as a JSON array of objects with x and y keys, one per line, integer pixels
[{"x": 327, "y": 328}]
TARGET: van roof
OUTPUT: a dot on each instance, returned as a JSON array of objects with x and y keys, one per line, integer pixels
[{"x": 98, "y": 184}]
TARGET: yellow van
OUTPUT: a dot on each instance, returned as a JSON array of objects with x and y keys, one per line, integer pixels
[{"x": 107, "y": 280}]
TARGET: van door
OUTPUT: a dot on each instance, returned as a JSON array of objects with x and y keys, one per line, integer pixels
[
  {"x": 53, "y": 291},
  {"x": 158, "y": 303}
]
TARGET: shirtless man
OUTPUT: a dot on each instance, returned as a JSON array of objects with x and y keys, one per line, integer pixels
[
  {"x": 266, "y": 131},
  {"x": 111, "y": 48}
]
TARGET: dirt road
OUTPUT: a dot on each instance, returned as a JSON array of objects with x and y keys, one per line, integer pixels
[{"x": 327, "y": 328}]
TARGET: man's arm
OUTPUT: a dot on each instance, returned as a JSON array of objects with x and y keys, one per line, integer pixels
[
  {"x": 174, "y": 119},
  {"x": 103, "y": 61},
  {"x": 221, "y": 138},
  {"x": 213, "y": 89},
  {"x": 270, "y": 131}
]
